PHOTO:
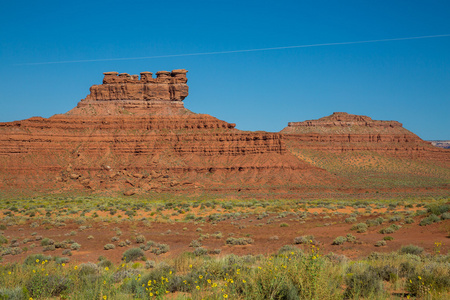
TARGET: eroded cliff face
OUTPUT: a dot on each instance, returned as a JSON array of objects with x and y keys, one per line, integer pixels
[
  {"x": 342, "y": 132},
  {"x": 134, "y": 135}
]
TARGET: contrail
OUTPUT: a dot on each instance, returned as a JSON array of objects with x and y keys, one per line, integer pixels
[{"x": 236, "y": 51}]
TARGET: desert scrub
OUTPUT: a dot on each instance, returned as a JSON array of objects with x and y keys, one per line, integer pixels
[
  {"x": 391, "y": 229},
  {"x": 133, "y": 254},
  {"x": 350, "y": 238},
  {"x": 380, "y": 243},
  {"x": 238, "y": 241},
  {"x": 429, "y": 220},
  {"x": 411, "y": 249},
  {"x": 47, "y": 241},
  {"x": 160, "y": 249},
  {"x": 75, "y": 246},
  {"x": 350, "y": 220},
  {"x": 200, "y": 251},
  {"x": 409, "y": 220},
  {"x": 360, "y": 227},
  {"x": 363, "y": 281},
  {"x": 195, "y": 244},
  {"x": 109, "y": 247},
  {"x": 305, "y": 239},
  {"x": 339, "y": 240},
  {"x": 140, "y": 239}
]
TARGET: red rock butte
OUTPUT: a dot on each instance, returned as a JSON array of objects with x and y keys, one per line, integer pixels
[{"x": 133, "y": 134}]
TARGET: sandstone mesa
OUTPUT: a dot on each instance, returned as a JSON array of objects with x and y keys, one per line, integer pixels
[{"x": 133, "y": 134}]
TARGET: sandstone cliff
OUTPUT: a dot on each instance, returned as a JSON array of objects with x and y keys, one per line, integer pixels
[{"x": 134, "y": 133}]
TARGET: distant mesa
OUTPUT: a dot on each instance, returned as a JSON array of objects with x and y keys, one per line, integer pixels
[
  {"x": 441, "y": 144},
  {"x": 343, "y": 122}
]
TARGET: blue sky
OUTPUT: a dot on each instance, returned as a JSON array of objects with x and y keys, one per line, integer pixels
[{"x": 407, "y": 81}]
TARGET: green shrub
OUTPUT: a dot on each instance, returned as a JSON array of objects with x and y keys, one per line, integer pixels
[
  {"x": 380, "y": 243},
  {"x": 433, "y": 278},
  {"x": 366, "y": 284},
  {"x": 47, "y": 241},
  {"x": 36, "y": 259},
  {"x": 445, "y": 216},
  {"x": 388, "y": 238},
  {"x": 391, "y": 229},
  {"x": 411, "y": 249},
  {"x": 195, "y": 244},
  {"x": 16, "y": 293},
  {"x": 88, "y": 270},
  {"x": 429, "y": 220},
  {"x": 75, "y": 246},
  {"x": 200, "y": 251},
  {"x": 239, "y": 241},
  {"x": 160, "y": 249},
  {"x": 49, "y": 248},
  {"x": 3, "y": 240},
  {"x": 409, "y": 220},
  {"x": 109, "y": 247},
  {"x": 46, "y": 286},
  {"x": 350, "y": 238},
  {"x": 350, "y": 220},
  {"x": 284, "y": 225},
  {"x": 105, "y": 263},
  {"x": 395, "y": 218},
  {"x": 339, "y": 240},
  {"x": 438, "y": 209},
  {"x": 360, "y": 227},
  {"x": 61, "y": 260},
  {"x": 304, "y": 239},
  {"x": 133, "y": 254},
  {"x": 140, "y": 239}
]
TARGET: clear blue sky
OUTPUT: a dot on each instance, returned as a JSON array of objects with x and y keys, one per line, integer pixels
[{"x": 407, "y": 81}]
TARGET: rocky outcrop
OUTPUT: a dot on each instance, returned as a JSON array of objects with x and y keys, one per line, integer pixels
[
  {"x": 167, "y": 86},
  {"x": 128, "y": 94}
]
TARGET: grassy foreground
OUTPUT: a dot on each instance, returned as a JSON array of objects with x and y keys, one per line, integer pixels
[{"x": 289, "y": 274}]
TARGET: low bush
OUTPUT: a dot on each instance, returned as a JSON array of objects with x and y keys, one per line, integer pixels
[
  {"x": 36, "y": 259},
  {"x": 409, "y": 220},
  {"x": 109, "y": 247},
  {"x": 133, "y": 254},
  {"x": 429, "y": 220},
  {"x": 363, "y": 283},
  {"x": 339, "y": 240},
  {"x": 350, "y": 220},
  {"x": 160, "y": 249},
  {"x": 239, "y": 241},
  {"x": 140, "y": 239},
  {"x": 411, "y": 249},
  {"x": 304, "y": 239},
  {"x": 75, "y": 246},
  {"x": 360, "y": 227},
  {"x": 200, "y": 251},
  {"x": 350, "y": 238},
  {"x": 380, "y": 243},
  {"x": 47, "y": 241}
]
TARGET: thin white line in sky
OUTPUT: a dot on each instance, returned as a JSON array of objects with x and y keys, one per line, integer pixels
[{"x": 236, "y": 51}]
